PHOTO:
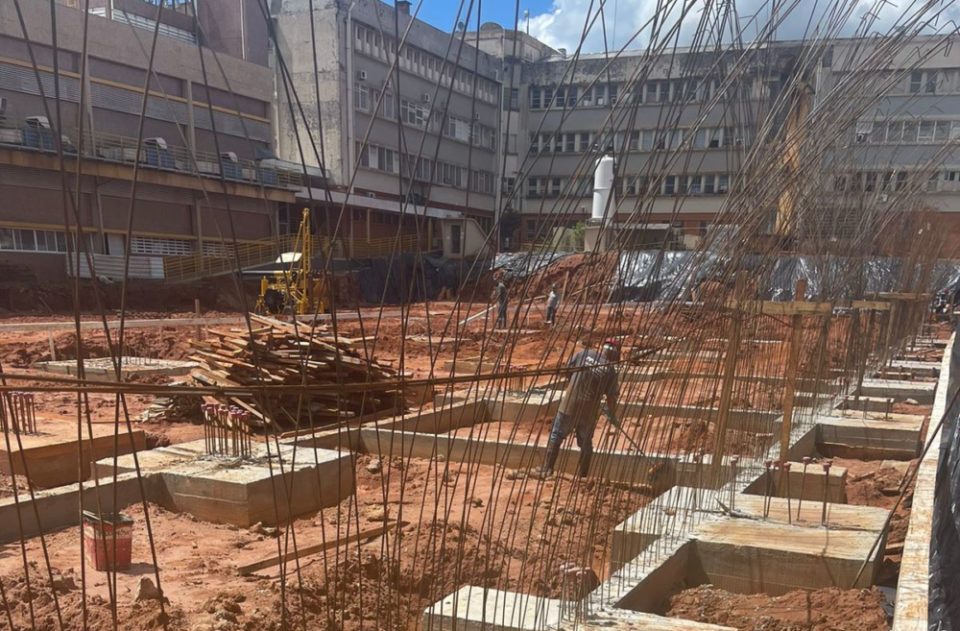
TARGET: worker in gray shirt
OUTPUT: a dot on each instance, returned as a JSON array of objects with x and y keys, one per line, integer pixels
[
  {"x": 500, "y": 295},
  {"x": 553, "y": 301},
  {"x": 595, "y": 377}
]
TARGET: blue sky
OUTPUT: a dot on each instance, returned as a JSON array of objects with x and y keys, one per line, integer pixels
[{"x": 442, "y": 13}]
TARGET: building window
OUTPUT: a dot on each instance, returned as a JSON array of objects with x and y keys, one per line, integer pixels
[
  {"x": 670, "y": 185},
  {"x": 413, "y": 114},
  {"x": 585, "y": 141},
  {"x": 694, "y": 186},
  {"x": 709, "y": 184},
  {"x": 634, "y": 141},
  {"x": 389, "y": 107},
  {"x": 723, "y": 183},
  {"x": 160, "y": 247},
  {"x": 534, "y": 98},
  {"x": 361, "y": 97},
  {"x": 926, "y": 131},
  {"x": 932, "y": 182},
  {"x": 569, "y": 143},
  {"x": 916, "y": 81}
]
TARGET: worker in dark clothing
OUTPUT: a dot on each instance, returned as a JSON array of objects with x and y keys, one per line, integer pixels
[
  {"x": 553, "y": 301},
  {"x": 580, "y": 406},
  {"x": 500, "y": 295}
]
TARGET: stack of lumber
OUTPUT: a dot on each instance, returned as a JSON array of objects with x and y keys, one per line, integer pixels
[{"x": 279, "y": 353}]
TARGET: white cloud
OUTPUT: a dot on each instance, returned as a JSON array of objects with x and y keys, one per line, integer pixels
[{"x": 563, "y": 25}]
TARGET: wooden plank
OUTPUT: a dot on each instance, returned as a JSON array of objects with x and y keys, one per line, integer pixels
[
  {"x": 769, "y": 307},
  {"x": 250, "y": 568},
  {"x": 870, "y": 305}
]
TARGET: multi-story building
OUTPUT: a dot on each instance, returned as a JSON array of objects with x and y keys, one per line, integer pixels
[
  {"x": 403, "y": 117},
  {"x": 680, "y": 128},
  {"x": 200, "y": 180},
  {"x": 906, "y": 142}
]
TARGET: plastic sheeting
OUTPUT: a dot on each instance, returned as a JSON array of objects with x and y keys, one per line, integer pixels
[
  {"x": 944, "y": 606},
  {"x": 517, "y": 265},
  {"x": 648, "y": 275}
]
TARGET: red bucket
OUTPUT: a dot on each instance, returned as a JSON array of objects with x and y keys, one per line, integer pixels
[{"x": 108, "y": 540}]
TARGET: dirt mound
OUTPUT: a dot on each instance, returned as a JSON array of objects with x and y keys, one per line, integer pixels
[
  {"x": 820, "y": 610},
  {"x": 578, "y": 272},
  {"x": 40, "y": 605},
  {"x": 172, "y": 343}
]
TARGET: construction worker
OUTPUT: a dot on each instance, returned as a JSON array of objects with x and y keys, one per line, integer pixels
[
  {"x": 553, "y": 301},
  {"x": 500, "y": 295},
  {"x": 580, "y": 406}
]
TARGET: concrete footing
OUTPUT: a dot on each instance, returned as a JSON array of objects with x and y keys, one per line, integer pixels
[
  {"x": 51, "y": 460},
  {"x": 267, "y": 487}
]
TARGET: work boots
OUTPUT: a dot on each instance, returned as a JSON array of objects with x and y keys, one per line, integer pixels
[
  {"x": 553, "y": 452},
  {"x": 584, "y": 465}
]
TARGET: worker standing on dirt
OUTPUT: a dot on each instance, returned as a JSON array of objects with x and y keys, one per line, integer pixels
[
  {"x": 596, "y": 376},
  {"x": 500, "y": 295},
  {"x": 553, "y": 301}
]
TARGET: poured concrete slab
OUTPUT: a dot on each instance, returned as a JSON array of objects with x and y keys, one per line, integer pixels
[
  {"x": 912, "y": 608},
  {"x": 624, "y": 620},
  {"x": 52, "y": 509},
  {"x": 263, "y": 488},
  {"x": 877, "y": 416},
  {"x": 839, "y": 516},
  {"x": 103, "y": 369},
  {"x": 523, "y": 407},
  {"x": 439, "y": 419},
  {"x": 638, "y": 531},
  {"x": 920, "y": 391},
  {"x": 868, "y": 403},
  {"x": 480, "y": 609},
  {"x": 52, "y": 460},
  {"x": 919, "y": 368},
  {"x": 869, "y": 439},
  {"x": 810, "y": 486},
  {"x": 747, "y": 556}
]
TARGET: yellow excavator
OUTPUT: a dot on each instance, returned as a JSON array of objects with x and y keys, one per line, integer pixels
[{"x": 294, "y": 285}]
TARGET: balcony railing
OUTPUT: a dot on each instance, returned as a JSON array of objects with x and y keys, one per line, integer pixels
[{"x": 154, "y": 154}]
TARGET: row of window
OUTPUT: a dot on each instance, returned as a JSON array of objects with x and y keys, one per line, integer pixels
[
  {"x": 605, "y": 94},
  {"x": 892, "y": 181},
  {"x": 906, "y": 131},
  {"x": 419, "y": 115},
  {"x": 638, "y": 140},
  {"x": 424, "y": 64},
  {"x": 424, "y": 169},
  {"x": 697, "y": 184}
]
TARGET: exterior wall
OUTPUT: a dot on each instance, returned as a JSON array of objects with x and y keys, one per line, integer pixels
[
  {"x": 898, "y": 146},
  {"x": 177, "y": 210},
  {"x": 363, "y": 95}
]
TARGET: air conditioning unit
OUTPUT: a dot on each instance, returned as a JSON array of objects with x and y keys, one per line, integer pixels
[
  {"x": 37, "y": 121},
  {"x": 599, "y": 100},
  {"x": 229, "y": 156},
  {"x": 361, "y": 75},
  {"x": 157, "y": 142},
  {"x": 427, "y": 97}
]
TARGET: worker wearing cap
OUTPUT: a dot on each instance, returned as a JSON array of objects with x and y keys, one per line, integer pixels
[{"x": 595, "y": 377}]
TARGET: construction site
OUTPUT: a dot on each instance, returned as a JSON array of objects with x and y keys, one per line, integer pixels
[{"x": 330, "y": 427}]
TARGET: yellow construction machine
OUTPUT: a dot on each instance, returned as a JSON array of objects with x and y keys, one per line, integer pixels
[{"x": 294, "y": 285}]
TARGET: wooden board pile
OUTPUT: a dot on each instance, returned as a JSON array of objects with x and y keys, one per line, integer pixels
[{"x": 277, "y": 353}]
